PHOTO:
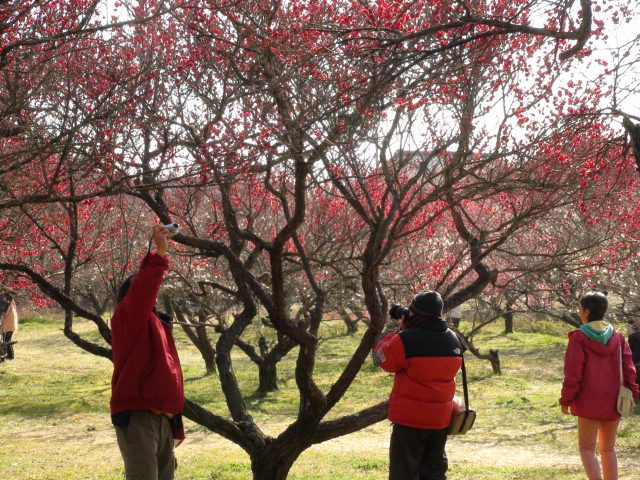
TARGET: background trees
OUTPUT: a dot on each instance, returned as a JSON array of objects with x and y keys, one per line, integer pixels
[{"x": 313, "y": 153}]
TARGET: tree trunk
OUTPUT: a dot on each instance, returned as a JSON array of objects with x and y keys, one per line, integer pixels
[
  {"x": 508, "y": 321},
  {"x": 196, "y": 331},
  {"x": 270, "y": 467},
  {"x": 495, "y": 361},
  {"x": 274, "y": 460},
  {"x": 352, "y": 325},
  {"x": 492, "y": 356},
  {"x": 209, "y": 362},
  {"x": 508, "y": 313},
  {"x": 268, "y": 376}
]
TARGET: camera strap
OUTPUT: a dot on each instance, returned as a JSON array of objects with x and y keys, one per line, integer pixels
[
  {"x": 464, "y": 386},
  {"x": 144, "y": 260},
  {"x": 464, "y": 372}
]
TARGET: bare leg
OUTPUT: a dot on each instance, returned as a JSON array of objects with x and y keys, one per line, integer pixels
[
  {"x": 587, "y": 434},
  {"x": 607, "y": 446}
]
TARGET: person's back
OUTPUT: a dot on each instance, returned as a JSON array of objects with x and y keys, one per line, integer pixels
[
  {"x": 633, "y": 335},
  {"x": 425, "y": 357},
  {"x": 594, "y": 388},
  {"x": 5, "y": 301},
  {"x": 425, "y": 365},
  {"x": 147, "y": 397},
  {"x": 597, "y": 361},
  {"x": 146, "y": 371},
  {"x": 8, "y": 325}
]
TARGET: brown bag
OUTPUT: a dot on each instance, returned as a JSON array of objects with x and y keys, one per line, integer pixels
[{"x": 462, "y": 419}]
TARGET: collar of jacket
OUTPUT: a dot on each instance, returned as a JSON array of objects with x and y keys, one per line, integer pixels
[{"x": 432, "y": 325}]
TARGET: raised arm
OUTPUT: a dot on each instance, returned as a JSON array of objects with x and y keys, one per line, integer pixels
[{"x": 141, "y": 298}]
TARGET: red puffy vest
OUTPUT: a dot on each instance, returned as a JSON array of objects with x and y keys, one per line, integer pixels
[{"x": 425, "y": 360}]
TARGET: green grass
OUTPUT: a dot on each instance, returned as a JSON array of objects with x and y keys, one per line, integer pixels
[{"x": 54, "y": 413}]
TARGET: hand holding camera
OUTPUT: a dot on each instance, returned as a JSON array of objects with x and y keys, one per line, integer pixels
[
  {"x": 161, "y": 235},
  {"x": 173, "y": 228},
  {"x": 399, "y": 313}
]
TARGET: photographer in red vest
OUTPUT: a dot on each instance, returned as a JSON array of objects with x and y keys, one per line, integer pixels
[{"x": 425, "y": 355}]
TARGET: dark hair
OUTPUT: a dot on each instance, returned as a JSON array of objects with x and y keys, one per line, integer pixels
[
  {"x": 5, "y": 301},
  {"x": 124, "y": 288},
  {"x": 596, "y": 303}
]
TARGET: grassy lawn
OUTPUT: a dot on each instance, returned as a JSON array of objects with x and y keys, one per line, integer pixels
[{"x": 55, "y": 425}]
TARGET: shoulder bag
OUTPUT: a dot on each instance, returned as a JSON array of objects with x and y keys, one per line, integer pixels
[
  {"x": 626, "y": 405},
  {"x": 462, "y": 420}
]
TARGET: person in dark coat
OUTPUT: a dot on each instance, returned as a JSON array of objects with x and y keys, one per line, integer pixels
[
  {"x": 425, "y": 356},
  {"x": 633, "y": 336}
]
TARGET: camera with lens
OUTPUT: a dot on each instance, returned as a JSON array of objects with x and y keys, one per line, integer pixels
[
  {"x": 397, "y": 312},
  {"x": 172, "y": 227}
]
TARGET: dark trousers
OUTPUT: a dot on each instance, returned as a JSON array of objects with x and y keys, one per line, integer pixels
[
  {"x": 634, "y": 345},
  {"x": 6, "y": 337},
  {"x": 146, "y": 445},
  {"x": 417, "y": 454}
]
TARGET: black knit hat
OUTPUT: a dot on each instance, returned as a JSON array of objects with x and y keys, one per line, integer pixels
[{"x": 428, "y": 304}]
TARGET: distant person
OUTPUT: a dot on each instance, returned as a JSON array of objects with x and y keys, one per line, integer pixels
[
  {"x": 425, "y": 356},
  {"x": 591, "y": 384},
  {"x": 8, "y": 322},
  {"x": 455, "y": 315},
  {"x": 147, "y": 397},
  {"x": 633, "y": 334}
]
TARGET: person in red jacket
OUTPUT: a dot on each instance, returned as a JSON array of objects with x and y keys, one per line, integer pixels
[
  {"x": 425, "y": 356},
  {"x": 591, "y": 384},
  {"x": 147, "y": 393}
]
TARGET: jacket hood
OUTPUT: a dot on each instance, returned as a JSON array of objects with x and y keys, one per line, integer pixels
[
  {"x": 599, "y": 330},
  {"x": 595, "y": 346}
]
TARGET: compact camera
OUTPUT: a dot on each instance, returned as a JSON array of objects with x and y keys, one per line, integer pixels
[{"x": 172, "y": 227}]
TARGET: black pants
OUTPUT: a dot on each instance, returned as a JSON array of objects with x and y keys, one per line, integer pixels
[
  {"x": 634, "y": 345},
  {"x": 417, "y": 454},
  {"x": 6, "y": 337}
]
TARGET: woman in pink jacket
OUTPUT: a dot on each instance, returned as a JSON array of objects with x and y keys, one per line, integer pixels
[{"x": 591, "y": 384}]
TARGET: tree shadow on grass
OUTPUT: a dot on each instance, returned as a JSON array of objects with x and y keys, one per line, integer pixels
[
  {"x": 520, "y": 438},
  {"x": 51, "y": 408},
  {"x": 196, "y": 378}
]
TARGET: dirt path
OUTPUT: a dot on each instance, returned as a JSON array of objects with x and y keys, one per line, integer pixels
[
  {"x": 98, "y": 441},
  {"x": 93, "y": 441}
]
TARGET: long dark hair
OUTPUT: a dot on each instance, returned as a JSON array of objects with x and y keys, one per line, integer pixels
[{"x": 5, "y": 302}]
